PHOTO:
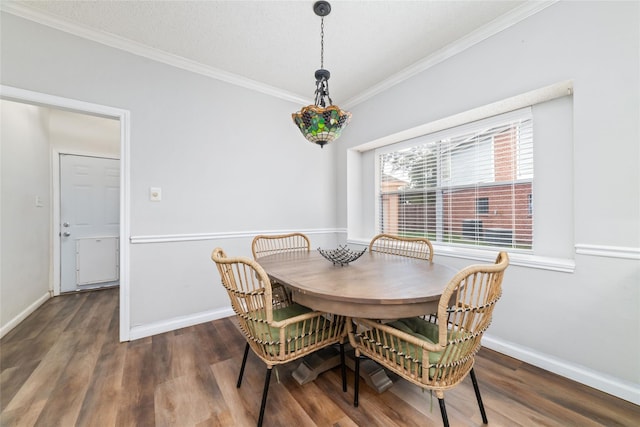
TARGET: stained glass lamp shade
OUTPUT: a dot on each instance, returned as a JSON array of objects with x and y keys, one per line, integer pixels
[
  {"x": 321, "y": 122},
  {"x": 321, "y": 125}
]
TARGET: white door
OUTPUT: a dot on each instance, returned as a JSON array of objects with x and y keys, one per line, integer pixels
[{"x": 89, "y": 222}]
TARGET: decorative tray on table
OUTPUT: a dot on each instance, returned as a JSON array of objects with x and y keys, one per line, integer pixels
[{"x": 343, "y": 255}]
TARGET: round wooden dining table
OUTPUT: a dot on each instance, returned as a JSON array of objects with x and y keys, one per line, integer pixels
[{"x": 376, "y": 285}]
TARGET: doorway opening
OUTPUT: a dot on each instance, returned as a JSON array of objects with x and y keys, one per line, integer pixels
[{"x": 96, "y": 111}]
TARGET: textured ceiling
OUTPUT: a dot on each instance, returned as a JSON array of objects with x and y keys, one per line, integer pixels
[{"x": 277, "y": 43}]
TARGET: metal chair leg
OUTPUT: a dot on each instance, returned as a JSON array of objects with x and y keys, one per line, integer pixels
[
  {"x": 244, "y": 362},
  {"x": 264, "y": 395},
  {"x": 343, "y": 368},
  {"x": 477, "y": 390},
  {"x": 443, "y": 411},
  {"x": 356, "y": 385}
]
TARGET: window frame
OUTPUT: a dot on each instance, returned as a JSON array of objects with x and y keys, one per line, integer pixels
[
  {"x": 453, "y": 132},
  {"x": 553, "y": 109}
]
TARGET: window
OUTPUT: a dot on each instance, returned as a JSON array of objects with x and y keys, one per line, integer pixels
[
  {"x": 469, "y": 185},
  {"x": 482, "y": 206}
]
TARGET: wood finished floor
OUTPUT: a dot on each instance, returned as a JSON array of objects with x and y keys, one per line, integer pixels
[{"x": 64, "y": 366}]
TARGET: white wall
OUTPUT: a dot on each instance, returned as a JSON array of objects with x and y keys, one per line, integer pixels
[
  {"x": 584, "y": 324},
  {"x": 83, "y": 134},
  {"x": 25, "y": 248},
  {"x": 229, "y": 162}
]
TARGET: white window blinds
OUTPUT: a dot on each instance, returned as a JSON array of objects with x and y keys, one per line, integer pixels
[{"x": 469, "y": 185}]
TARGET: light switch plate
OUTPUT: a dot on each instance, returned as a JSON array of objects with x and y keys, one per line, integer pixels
[{"x": 155, "y": 194}]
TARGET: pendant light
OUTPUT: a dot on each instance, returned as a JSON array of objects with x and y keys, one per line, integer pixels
[{"x": 321, "y": 122}]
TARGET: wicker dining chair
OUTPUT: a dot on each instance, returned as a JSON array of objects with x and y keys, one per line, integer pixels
[
  {"x": 436, "y": 352},
  {"x": 276, "y": 335},
  {"x": 263, "y": 245},
  {"x": 413, "y": 247}
]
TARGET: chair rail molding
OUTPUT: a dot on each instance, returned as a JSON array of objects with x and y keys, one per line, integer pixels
[
  {"x": 171, "y": 238},
  {"x": 608, "y": 251}
]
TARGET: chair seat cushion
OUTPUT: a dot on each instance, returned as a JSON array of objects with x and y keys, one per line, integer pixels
[
  {"x": 426, "y": 331},
  {"x": 423, "y": 330},
  {"x": 297, "y": 335},
  {"x": 292, "y": 310},
  {"x": 418, "y": 327}
]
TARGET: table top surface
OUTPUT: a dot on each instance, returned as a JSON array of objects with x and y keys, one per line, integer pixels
[{"x": 374, "y": 278}]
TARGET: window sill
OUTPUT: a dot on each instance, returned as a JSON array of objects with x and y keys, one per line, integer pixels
[{"x": 564, "y": 265}]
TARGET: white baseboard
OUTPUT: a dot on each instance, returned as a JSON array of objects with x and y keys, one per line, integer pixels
[
  {"x": 143, "y": 331},
  {"x": 615, "y": 386},
  {"x": 24, "y": 314}
]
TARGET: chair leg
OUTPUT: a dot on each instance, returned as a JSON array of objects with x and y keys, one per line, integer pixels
[
  {"x": 443, "y": 411},
  {"x": 477, "y": 390},
  {"x": 343, "y": 368},
  {"x": 264, "y": 395},
  {"x": 356, "y": 385},
  {"x": 244, "y": 362}
]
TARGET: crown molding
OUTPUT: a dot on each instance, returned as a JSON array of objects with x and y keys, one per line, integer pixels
[
  {"x": 496, "y": 26},
  {"x": 528, "y": 9},
  {"x": 139, "y": 49}
]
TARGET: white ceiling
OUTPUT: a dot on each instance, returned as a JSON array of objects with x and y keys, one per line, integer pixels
[{"x": 275, "y": 45}]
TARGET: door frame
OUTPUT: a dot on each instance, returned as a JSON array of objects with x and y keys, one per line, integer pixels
[{"x": 124, "y": 116}]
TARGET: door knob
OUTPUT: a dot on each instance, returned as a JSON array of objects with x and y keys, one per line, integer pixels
[
  {"x": 65, "y": 224},
  {"x": 66, "y": 234}
]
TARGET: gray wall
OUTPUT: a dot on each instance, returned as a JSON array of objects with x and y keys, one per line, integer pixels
[
  {"x": 584, "y": 324},
  {"x": 229, "y": 161}
]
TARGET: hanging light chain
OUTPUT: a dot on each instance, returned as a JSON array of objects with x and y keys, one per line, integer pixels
[{"x": 322, "y": 42}]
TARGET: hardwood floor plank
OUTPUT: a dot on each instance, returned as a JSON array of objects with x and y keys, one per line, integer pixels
[
  {"x": 12, "y": 379},
  {"x": 24, "y": 416},
  {"x": 64, "y": 366},
  {"x": 100, "y": 406},
  {"x": 35, "y": 336},
  {"x": 319, "y": 405},
  {"x": 69, "y": 391},
  {"x": 136, "y": 400},
  {"x": 41, "y": 382},
  {"x": 184, "y": 401},
  {"x": 212, "y": 344},
  {"x": 233, "y": 340},
  {"x": 186, "y": 391},
  {"x": 359, "y": 416},
  {"x": 241, "y": 405},
  {"x": 524, "y": 388}
]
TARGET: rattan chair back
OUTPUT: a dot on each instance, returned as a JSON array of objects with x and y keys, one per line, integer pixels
[
  {"x": 413, "y": 247},
  {"x": 464, "y": 313},
  {"x": 276, "y": 335},
  {"x": 264, "y": 245},
  {"x": 274, "y": 341}
]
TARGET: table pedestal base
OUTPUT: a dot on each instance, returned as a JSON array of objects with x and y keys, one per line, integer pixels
[{"x": 328, "y": 358}]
